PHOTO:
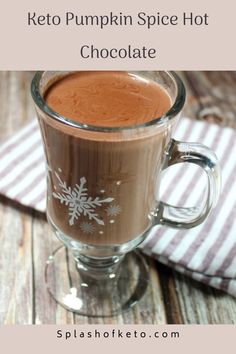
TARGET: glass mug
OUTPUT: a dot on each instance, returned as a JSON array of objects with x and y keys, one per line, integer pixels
[{"x": 103, "y": 198}]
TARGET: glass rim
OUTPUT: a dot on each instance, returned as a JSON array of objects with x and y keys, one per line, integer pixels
[{"x": 176, "y": 107}]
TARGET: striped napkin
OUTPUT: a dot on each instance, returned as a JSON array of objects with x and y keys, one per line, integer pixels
[{"x": 207, "y": 252}]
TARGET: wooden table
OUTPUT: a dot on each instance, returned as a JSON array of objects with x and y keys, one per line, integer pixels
[{"x": 26, "y": 239}]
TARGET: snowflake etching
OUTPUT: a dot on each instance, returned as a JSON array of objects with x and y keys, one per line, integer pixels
[
  {"x": 78, "y": 201},
  {"x": 87, "y": 227},
  {"x": 113, "y": 210}
]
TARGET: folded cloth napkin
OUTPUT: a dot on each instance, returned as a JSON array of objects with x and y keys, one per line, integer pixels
[{"x": 207, "y": 252}]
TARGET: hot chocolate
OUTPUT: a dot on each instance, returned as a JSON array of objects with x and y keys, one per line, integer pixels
[
  {"x": 112, "y": 99},
  {"x": 103, "y": 185}
]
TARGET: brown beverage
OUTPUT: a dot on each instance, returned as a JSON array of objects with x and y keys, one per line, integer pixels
[{"x": 103, "y": 185}]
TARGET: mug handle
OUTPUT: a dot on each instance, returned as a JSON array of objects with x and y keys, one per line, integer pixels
[{"x": 198, "y": 154}]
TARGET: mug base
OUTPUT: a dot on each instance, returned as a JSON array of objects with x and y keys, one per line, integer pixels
[{"x": 96, "y": 296}]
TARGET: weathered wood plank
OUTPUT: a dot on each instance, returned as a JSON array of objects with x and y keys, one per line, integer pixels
[
  {"x": 46, "y": 309},
  {"x": 211, "y": 96},
  {"x": 16, "y": 292},
  {"x": 202, "y": 304},
  {"x": 170, "y": 296}
]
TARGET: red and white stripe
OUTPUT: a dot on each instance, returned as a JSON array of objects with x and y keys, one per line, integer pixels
[
  {"x": 22, "y": 171},
  {"x": 207, "y": 253}
]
